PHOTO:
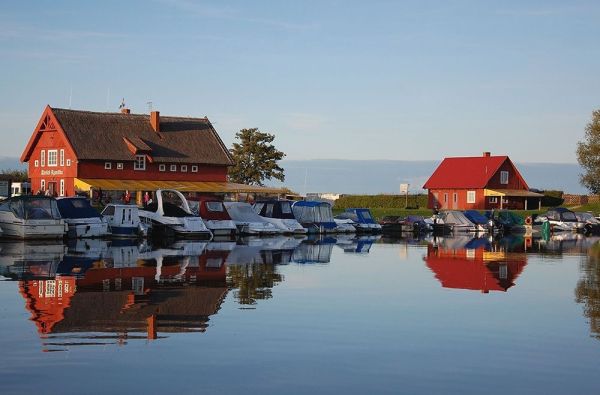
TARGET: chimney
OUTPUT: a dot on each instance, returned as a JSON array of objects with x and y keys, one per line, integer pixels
[
  {"x": 155, "y": 121},
  {"x": 125, "y": 111},
  {"x": 487, "y": 154}
]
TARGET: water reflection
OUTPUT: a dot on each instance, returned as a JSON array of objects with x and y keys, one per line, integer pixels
[
  {"x": 92, "y": 292},
  {"x": 476, "y": 263}
]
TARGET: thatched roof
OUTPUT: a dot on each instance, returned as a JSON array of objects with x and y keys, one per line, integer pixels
[{"x": 104, "y": 136}]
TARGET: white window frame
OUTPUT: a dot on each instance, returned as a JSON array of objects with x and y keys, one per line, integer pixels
[
  {"x": 140, "y": 162},
  {"x": 62, "y": 157},
  {"x": 493, "y": 199},
  {"x": 119, "y": 165},
  {"x": 173, "y": 168},
  {"x": 194, "y": 169},
  {"x": 504, "y": 177},
  {"x": 43, "y": 158},
  {"x": 52, "y": 157},
  {"x": 107, "y": 165},
  {"x": 162, "y": 167},
  {"x": 43, "y": 185},
  {"x": 36, "y": 163},
  {"x": 471, "y": 197},
  {"x": 184, "y": 168},
  {"x": 68, "y": 162},
  {"x": 62, "y": 187}
]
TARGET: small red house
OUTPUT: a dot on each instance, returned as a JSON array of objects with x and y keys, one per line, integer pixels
[{"x": 480, "y": 183}]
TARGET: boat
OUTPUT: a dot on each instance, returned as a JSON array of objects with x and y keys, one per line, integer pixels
[
  {"x": 247, "y": 221},
  {"x": 409, "y": 224},
  {"x": 315, "y": 216},
  {"x": 170, "y": 214},
  {"x": 592, "y": 224},
  {"x": 483, "y": 223},
  {"x": 560, "y": 219},
  {"x": 124, "y": 221},
  {"x": 362, "y": 220},
  {"x": 344, "y": 225},
  {"x": 507, "y": 221},
  {"x": 216, "y": 218},
  {"x": 31, "y": 217},
  {"x": 83, "y": 220},
  {"x": 455, "y": 221},
  {"x": 279, "y": 213}
]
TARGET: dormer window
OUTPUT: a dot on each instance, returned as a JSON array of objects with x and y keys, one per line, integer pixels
[
  {"x": 140, "y": 162},
  {"x": 162, "y": 167},
  {"x": 107, "y": 165},
  {"x": 503, "y": 177},
  {"x": 173, "y": 168}
]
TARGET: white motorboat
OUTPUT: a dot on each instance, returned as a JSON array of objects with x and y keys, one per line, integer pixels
[
  {"x": 170, "y": 213},
  {"x": 124, "y": 221},
  {"x": 216, "y": 218},
  {"x": 456, "y": 221},
  {"x": 361, "y": 219},
  {"x": 31, "y": 217},
  {"x": 247, "y": 221},
  {"x": 279, "y": 213},
  {"x": 84, "y": 221}
]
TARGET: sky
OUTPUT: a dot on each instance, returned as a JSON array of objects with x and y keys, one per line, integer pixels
[{"x": 396, "y": 80}]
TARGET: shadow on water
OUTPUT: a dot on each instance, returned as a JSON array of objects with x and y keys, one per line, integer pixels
[{"x": 95, "y": 292}]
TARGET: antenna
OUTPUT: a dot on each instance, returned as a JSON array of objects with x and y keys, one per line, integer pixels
[{"x": 149, "y": 103}]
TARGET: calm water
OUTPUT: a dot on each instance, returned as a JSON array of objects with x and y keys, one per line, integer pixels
[{"x": 284, "y": 315}]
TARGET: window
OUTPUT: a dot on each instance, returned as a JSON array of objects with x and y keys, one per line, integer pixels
[
  {"x": 62, "y": 157},
  {"x": 183, "y": 168},
  {"x": 62, "y": 187},
  {"x": 470, "y": 196},
  {"x": 43, "y": 185},
  {"x": 194, "y": 169},
  {"x": 120, "y": 166},
  {"x": 493, "y": 199},
  {"x": 107, "y": 165},
  {"x": 445, "y": 198},
  {"x": 455, "y": 197},
  {"x": 52, "y": 157},
  {"x": 503, "y": 177},
  {"x": 36, "y": 163},
  {"x": 162, "y": 167},
  {"x": 43, "y": 158},
  {"x": 173, "y": 168},
  {"x": 140, "y": 162},
  {"x": 68, "y": 162}
]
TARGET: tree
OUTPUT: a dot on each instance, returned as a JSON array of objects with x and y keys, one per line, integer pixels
[
  {"x": 255, "y": 158},
  {"x": 16, "y": 175},
  {"x": 588, "y": 154}
]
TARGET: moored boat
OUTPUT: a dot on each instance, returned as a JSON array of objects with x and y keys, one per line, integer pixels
[
  {"x": 124, "y": 221},
  {"x": 361, "y": 219},
  {"x": 216, "y": 218},
  {"x": 247, "y": 221},
  {"x": 170, "y": 214},
  {"x": 280, "y": 214},
  {"x": 315, "y": 216},
  {"x": 83, "y": 220},
  {"x": 31, "y": 217}
]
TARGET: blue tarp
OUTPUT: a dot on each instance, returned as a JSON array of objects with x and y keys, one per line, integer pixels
[
  {"x": 476, "y": 217},
  {"x": 76, "y": 208},
  {"x": 362, "y": 214}
]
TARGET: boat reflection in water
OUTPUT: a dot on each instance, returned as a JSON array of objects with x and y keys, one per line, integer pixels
[{"x": 476, "y": 263}]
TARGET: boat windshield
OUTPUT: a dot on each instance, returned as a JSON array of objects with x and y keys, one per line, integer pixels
[
  {"x": 286, "y": 207},
  {"x": 568, "y": 216},
  {"x": 174, "y": 205},
  {"x": 32, "y": 208},
  {"x": 324, "y": 213}
]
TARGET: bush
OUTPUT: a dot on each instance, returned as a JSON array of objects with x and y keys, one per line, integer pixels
[
  {"x": 552, "y": 198},
  {"x": 381, "y": 201}
]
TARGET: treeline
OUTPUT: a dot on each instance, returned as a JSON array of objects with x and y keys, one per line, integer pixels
[{"x": 381, "y": 201}]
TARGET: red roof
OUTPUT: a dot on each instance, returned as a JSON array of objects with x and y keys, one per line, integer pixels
[{"x": 466, "y": 172}]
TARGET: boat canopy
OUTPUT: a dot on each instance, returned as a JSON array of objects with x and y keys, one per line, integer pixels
[
  {"x": 76, "y": 207},
  {"x": 313, "y": 212},
  {"x": 31, "y": 207},
  {"x": 212, "y": 209},
  {"x": 274, "y": 209},
  {"x": 358, "y": 215},
  {"x": 561, "y": 214},
  {"x": 242, "y": 212},
  {"x": 456, "y": 218},
  {"x": 476, "y": 217},
  {"x": 510, "y": 218}
]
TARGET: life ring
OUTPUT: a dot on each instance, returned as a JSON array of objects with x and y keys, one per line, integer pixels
[{"x": 528, "y": 220}]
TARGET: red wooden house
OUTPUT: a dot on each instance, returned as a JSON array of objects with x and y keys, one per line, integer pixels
[
  {"x": 71, "y": 151},
  {"x": 480, "y": 183}
]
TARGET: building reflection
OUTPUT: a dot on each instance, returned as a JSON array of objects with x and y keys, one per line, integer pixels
[{"x": 476, "y": 263}]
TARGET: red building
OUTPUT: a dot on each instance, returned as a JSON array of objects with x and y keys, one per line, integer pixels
[
  {"x": 72, "y": 151},
  {"x": 481, "y": 183}
]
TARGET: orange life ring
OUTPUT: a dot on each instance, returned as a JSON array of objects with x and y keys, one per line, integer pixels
[{"x": 528, "y": 220}]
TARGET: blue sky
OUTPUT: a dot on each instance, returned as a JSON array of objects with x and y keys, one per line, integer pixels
[{"x": 404, "y": 80}]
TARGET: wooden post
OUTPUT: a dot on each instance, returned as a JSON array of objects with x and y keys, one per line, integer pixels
[
  {"x": 138, "y": 198},
  {"x": 526, "y": 203},
  {"x": 151, "y": 321},
  {"x": 540, "y": 205},
  {"x": 501, "y": 201}
]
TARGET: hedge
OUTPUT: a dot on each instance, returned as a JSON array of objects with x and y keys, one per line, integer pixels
[{"x": 382, "y": 201}]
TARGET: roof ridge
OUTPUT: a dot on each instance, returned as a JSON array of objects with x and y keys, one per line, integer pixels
[{"x": 127, "y": 115}]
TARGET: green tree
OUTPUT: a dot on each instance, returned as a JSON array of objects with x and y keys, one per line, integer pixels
[
  {"x": 17, "y": 175},
  {"x": 255, "y": 158},
  {"x": 588, "y": 154}
]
